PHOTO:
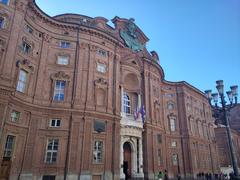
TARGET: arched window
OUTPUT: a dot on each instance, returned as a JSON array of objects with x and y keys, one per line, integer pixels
[{"x": 126, "y": 103}]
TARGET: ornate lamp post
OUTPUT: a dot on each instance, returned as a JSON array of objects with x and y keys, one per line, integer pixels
[{"x": 221, "y": 115}]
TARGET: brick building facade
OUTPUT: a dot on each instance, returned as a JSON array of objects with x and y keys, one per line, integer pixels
[
  {"x": 82, "y": 100},
  {"x": 222, "y": 140}
]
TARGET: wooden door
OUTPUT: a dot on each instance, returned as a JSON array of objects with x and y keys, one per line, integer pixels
[{"x": 127, "y": 162}]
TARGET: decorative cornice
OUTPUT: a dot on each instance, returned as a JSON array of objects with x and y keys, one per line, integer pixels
[{"x": 60, "y": 76}]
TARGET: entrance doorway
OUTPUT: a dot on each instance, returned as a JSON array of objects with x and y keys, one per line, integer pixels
[{"x": 127, "y": 161}]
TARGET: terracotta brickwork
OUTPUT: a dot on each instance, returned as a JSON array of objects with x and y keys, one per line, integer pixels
[
  {"x": 74, "y": 68},
  {"x": 223, "y": 146}
]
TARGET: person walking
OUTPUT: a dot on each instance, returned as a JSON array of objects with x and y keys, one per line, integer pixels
[
  {"x": 160, "y": 175},
  {"x": 166, "y": 175}
]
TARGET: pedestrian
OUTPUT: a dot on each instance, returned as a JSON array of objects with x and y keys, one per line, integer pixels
[
  {"x": 166, "y": 175},
  {"x": 160, "y": 175},
  {"x": 179, "y": 177}
]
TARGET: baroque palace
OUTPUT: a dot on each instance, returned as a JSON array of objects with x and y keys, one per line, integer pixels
[{"x": 80, "y": 99}]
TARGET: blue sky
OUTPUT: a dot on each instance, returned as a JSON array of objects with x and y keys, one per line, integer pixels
[{"x": 198, "y": 41}]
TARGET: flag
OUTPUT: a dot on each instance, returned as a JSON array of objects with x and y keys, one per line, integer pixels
[
  {"x": 135, "y": 114},
  {"x": 143, "y": 113}
]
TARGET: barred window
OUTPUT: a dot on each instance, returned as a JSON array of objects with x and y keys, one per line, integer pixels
[
  {"x": 9, "y": 146},
  {"x": 59, "y": 90},
  {"x": 15, "y": 116},
  {"x": 98, "y": 152},
  {"x": 22, "y": 81},
  {"x": 52, "y": 150}
]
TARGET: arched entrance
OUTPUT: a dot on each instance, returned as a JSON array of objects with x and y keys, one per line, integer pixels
[{"x": 127, "y": 161}]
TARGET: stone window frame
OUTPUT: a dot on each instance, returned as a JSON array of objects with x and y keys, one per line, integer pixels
[
  {"x": 102, "y": 131},
  {"x": 8, "y": 149},
  {"x": 101, "y": 84},
  {"x": 159, "y": 138},
  {"x": 159, "y": 157},
  {"x": 51, "y": 151},
  {"x": 59, "y": 76},
  {"x": 28, "y": 29},
  {"x": 175, "y": 159},
  {"x": 24, "y": 65},
  {"x": 103, "y": 64},
  {"x": 55, "y": 125},
  {"x": 5, "y": 18},
  {"x": 102, "y": 53},
  {"x": 15, "y": 116},
  {"x": 22, "y": 47},
  {"x": 2, "y": 22},
  {"x": 173, "y": 144},
  {"x": 96, "y": 151},
  {"x": 126, "y": 100},
  {"x": 64, "y": 44},
  {"x": 172, "y": 118},
  {"x": 170, "y": 104},
  {"x": 63, "y": 54},
  {"x": 191, "y": 124}
]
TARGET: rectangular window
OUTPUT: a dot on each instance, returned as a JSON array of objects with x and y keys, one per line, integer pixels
[
  {"x": 99, "y": 126},
  {"x": 174, "y": 144},
  {"x": 59, "y": 90},
  {"x": 126, "y": 103},
  {"x": 26, "y": 48},
  {"x": 4, "y": 2},
  {"x": 102, "y": 53},
  {"x": 15, "y": 116},
  {"x": 175, "y": 159},
  {"x": 2, "y": 21},
  {"x": 159, "y": 138},
  {"x": 22, "y": 81},
  {"x": 62, "y": 60},
  {"x": 55, "y": 122},
  {"x": 52, "y": 150},
  {"x": 98, "y": 152},
  {"x": 28, "y": 29},
  {"x": 160, "y": 159},
  {"x": 9, "y": 146},
  {"x": 64, "y": 44},
  {"x": 101, "y": 67},
  {"x": 172, "y": 125}
]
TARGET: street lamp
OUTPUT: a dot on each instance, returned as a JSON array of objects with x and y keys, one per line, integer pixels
[{"x": 221, "y": 115}]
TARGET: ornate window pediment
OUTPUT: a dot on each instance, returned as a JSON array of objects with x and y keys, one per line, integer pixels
[
  {"x": 62, "y": 76},
  {"x": 25, "y": 65}
]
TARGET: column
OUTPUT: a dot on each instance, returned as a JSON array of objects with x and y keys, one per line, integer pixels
[
  {"x": 140, "y": 157},
  {"x": 122, "y": 175}
]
